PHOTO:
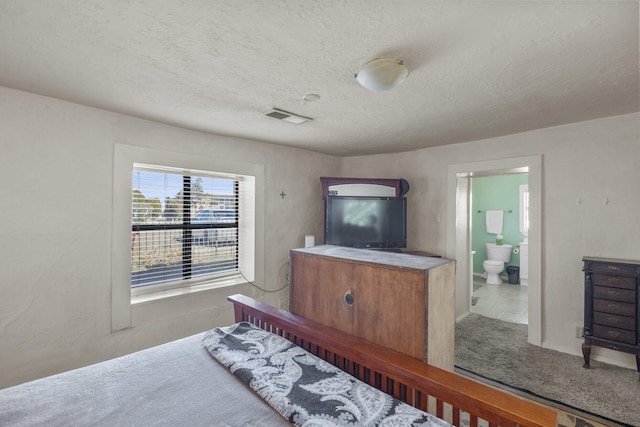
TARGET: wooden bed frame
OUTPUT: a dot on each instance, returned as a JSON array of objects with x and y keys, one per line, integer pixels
[{"x": 442, "y": 393}]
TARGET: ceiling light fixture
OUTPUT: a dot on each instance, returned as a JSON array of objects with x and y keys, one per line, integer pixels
[
  {"x": 311, "y": 97},
  {"x": 382, "y": 74}
]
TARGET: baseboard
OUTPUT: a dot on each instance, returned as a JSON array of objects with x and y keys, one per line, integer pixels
[
  {"x": 596, "y": 355},
  {"x": 462, "y": 317}
]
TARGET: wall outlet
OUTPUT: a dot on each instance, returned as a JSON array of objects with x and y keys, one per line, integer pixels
[{"x": 579, "y": 331}]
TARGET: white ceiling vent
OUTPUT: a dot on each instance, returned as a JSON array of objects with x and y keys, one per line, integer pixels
[{"x": 279, "y": 114}]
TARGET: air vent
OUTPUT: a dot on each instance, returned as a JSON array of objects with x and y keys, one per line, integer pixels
[{"x": 279, "y": 114}]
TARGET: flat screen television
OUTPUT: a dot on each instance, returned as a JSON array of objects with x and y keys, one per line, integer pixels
[{"x": 366, "y": 222}]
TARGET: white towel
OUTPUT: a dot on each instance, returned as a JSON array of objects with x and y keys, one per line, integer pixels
[{"x": 494, "y": 222}]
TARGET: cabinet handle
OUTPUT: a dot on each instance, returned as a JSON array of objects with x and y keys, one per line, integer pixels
[
  {"x": 613, "y": 293},
  {"x": 613, "y": 280},
  {"x": 613, "y": 268},
  {"x": 616, "y": 306},
  {"x": 348, "y": 298},
  {"x": 613, "y": 334},
  {"x": 613, "y": 319}
]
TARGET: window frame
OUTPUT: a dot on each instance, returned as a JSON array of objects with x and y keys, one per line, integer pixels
[
  {"x": 187, "y": 226},
  {"x": 130, "y": 310}
]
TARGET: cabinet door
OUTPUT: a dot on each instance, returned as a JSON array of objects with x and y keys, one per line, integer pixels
[
  {"x": 388, "y": 305},
  {"x": 317, "y": 291}
]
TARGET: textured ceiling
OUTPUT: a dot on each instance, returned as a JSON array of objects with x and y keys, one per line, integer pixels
[{"x": 478, "y": 69}]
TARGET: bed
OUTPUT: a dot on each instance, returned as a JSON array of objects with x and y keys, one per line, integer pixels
[{"x": 180, "y": 383}]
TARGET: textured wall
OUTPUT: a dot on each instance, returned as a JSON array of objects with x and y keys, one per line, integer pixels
[
  {"x": 583, "y": 164},
  {"x": 56, "y": 179},
  {"x": 56, "y": 185}
]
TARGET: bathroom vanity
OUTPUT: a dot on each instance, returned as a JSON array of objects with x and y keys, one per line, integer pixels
[{"x": 611, "y": 305}]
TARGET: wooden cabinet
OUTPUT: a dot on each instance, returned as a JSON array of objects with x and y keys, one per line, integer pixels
[
  {"x": 611, "y": 306},
  {"x": 400, "y": 301}
]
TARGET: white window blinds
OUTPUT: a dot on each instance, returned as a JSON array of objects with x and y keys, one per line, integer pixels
[{"x": 184, "y": 225}]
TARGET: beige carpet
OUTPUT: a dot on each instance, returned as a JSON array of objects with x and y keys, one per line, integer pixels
[{"x": 498, "y": 351}]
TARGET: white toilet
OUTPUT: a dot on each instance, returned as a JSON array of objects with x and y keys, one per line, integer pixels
[{"x": 497, "y": 257}]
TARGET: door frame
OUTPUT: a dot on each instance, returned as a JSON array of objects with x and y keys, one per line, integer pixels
[{"x": 459, "y": 232}]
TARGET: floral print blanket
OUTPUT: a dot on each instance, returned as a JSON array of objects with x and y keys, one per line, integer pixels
[{"x": 303, "y": 388}]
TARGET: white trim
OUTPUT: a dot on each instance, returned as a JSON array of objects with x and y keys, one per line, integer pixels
[
  {"x": 462, "y": 317},
  {"x": 523, "y": 214},
  {"x": 252, "y": 267},
  {"x": 227, "y": 281},
  {"x": 458, "y": 239}
]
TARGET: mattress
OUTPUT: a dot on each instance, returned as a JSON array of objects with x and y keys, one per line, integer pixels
[{"x": 177, "y": 383}]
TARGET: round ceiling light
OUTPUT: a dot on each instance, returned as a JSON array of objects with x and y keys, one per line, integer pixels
[
  {"x": 311, "y": 97},
  {"x": 382, "y": 74}
]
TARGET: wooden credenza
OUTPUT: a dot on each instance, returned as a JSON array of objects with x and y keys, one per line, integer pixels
[
  {"x": 400, "y": 301},
  {"x": 611, "y": 306}
]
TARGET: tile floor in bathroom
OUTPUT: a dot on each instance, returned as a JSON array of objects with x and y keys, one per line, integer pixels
[{"x": 505, "y": 302}]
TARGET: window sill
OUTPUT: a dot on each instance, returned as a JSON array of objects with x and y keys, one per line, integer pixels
[{"x": 187, "y": 290}]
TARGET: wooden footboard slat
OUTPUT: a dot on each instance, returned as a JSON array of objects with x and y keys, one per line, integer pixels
[
  {"x": 403, "y": 393},
  {"x": 397, "y": 389},
  {"x": 422, "y": 400},
  {"x": 455, "y": 417},
  {"x": 397, "y": 374},
  {"x": 355, "y": 368},
  {"x": 439, "y": 408}
]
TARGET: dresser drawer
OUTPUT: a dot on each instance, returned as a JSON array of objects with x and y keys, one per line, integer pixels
[
  {"x": 614, "y": 334},
  {"x": 614, "y": 281},
  {"x": 615, "y": 320},
  {"x": 611, "y": 267},
  {"x": 615, "y": 307},
  {"x": 615, "y": 294}
]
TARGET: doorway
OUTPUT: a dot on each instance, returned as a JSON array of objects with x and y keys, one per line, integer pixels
[
  {"x": 500, "y": 195},
  {"x": 459, "y": 232}
]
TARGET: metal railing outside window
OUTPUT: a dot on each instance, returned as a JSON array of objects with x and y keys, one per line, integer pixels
[{"x": 184, "y": 226}]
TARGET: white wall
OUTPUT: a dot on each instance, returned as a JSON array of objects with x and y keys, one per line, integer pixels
[
  {"x": 589, "y": 161},
  {"x": 56, "y": 163}
]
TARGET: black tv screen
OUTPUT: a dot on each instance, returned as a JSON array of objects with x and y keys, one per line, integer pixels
[{"x": 366, "y": 222}]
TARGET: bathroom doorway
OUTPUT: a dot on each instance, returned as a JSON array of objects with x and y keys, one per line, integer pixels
[
  {"x": 499, "y": 194},
  {"x": 459, "y": 237}
]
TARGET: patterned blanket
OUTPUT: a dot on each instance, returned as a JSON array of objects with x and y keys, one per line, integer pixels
[{"x": 303, "y": 388}]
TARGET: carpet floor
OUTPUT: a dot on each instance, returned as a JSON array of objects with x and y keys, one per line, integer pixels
[{"x": 498, "y": 351}]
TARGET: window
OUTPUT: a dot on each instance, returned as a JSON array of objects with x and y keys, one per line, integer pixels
[
  {"x": 216, "y": 183},
  {"x": 184, "y": 226}
]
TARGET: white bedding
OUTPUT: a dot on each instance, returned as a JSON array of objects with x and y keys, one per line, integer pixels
[{"x": 175, "y": 384}]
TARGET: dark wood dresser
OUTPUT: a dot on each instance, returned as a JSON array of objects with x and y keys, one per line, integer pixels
[{"x": 611, "y": 306}]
